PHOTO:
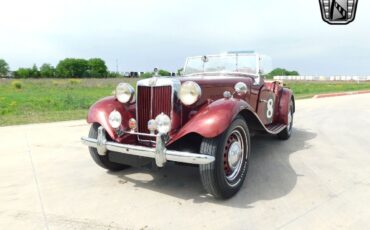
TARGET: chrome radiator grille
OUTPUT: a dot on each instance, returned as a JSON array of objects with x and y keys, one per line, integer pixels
[{"x": 151, "y": 101}]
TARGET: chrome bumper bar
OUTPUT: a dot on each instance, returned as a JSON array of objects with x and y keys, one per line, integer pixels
[{"x": 159, "y": 153}]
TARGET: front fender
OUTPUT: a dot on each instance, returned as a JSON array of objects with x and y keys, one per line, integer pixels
[
  {"x": 213, "y": 119},
  {"x": 285, "y": 98},
  {"x": 99, "y": 113}
]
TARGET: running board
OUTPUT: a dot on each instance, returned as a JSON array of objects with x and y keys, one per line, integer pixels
[{"x": 275, "y": 128}]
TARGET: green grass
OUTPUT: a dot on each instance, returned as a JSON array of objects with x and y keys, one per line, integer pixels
[
  {"x": 46, "y": 100},
  {"x": 308, "y": 89}
]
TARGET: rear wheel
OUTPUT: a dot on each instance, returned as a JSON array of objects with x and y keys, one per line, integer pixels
[
  {"x": 102, "y": 160},
  {"x": 224, "y": 177},
  {"x": 287, "y": 132}
]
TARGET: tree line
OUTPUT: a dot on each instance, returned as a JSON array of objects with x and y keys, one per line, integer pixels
[
  {"x": 91, "y": 68},
  {"x": 281, "y": 72},
  {"x": 66, "y": 68},
  {"x": 69, "y": 68}
]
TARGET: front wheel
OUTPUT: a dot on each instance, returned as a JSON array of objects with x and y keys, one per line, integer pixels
[
  {"x": 102, "y": 161},
  {"x": 224, "y": 177},
  {"x": 287, "y": 132}
]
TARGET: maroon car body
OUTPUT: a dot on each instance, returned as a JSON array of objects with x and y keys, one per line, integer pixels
[
  {"x": 263, "y": 106},
  {"x": 212, "y": 109}
]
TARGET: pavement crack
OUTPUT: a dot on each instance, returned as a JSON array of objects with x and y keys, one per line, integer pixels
[{"x": 36, "y": 182}]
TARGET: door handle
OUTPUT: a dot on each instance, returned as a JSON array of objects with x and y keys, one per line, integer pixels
[{"x": 264, "y": 101}]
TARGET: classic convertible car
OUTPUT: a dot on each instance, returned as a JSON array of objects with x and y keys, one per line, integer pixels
[{"x": 205, "y": 117}]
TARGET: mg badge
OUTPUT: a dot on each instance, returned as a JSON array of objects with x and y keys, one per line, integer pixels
[
  {"x": 338, "y": 12},
  {"x": 153, "y": 81}
]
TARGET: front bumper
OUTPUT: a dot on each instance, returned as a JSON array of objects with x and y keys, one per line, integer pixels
[{"x": 159, "y": 153}]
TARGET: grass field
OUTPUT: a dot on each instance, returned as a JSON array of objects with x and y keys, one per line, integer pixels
[
  {"x": 46, "y": 100},
  {"x": 308, "y": 89}
]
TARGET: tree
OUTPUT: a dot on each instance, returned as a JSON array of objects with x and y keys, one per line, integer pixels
[
  {"x": 23, "y": 73},
  {"x": 281, "y": 72},
  {"x": 72, "y": 67},
  {"x": 97, "y": 68},
  {"x": 146, "y": 75},
  {"x": 34, "y": 71},
  {"x": 27, "y": 72},
  {"x": 47, "y": 70},
  {"x": 164, "y": 73},
  {"x": 4, "y": 68}
]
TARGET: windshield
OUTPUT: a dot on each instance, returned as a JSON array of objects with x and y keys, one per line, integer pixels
[{"x": 243, "y": 63}]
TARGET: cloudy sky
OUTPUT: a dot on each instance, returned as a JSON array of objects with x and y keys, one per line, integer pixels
[{"x": 142, "y": 34}]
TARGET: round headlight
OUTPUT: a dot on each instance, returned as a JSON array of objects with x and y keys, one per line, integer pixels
[
  {"x": 124, "y": 92},
  {"x": 189, "y": 93},
  {"x": 115, "y": 119},
  {"x": 163, "y": 123},
  {"x": 241, "y": 88}
]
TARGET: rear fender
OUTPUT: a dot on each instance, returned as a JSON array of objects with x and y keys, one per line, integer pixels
[
  {"x": 99, "y": 113},
  {"x": 213, "y": 119},
  {"x": 285, "y": 98}
]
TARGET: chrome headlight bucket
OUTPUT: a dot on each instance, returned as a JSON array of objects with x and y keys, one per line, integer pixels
[
  {"x": 115, "y": 119},
  {"x": 124, "y": 92},
  {"x": 241, "y": 88},
  {"x": 189, "y": 93}
]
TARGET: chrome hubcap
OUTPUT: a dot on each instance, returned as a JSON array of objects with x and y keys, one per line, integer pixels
[{"x": 234, "y": 155}]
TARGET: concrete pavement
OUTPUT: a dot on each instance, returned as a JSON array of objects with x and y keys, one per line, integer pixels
[{"x": 319, "y": 179}]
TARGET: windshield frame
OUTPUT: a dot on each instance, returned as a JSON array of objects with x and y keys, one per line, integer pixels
[{"x": 236, "y": 55}]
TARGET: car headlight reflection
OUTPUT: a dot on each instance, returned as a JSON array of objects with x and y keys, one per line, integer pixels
[
  {"x": 124, "y": 92},
  {"x": 115, "y": 119},
  {"x": 189, "y": 93},
  {"x": 163, "y": 123}
]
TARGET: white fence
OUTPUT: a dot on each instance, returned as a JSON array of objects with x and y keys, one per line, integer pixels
[{"x": 323, "y": 78}]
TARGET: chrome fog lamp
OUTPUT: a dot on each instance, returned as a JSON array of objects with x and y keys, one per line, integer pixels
[
  {"x": 189, "y": 93},
  {"x": 115, "y": 119},
  {"x": 132, "y": 124},
  {"x": 241, "y": 88},
  {"x": 152, "y": 125},
  {"x": 124, "y": 92},
  {"x": 163, "y": 123}
]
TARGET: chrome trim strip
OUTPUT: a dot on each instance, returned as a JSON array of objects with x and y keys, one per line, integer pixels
[
  {"x": 159, "y": 81},
  {"x": 141, "y": 134}
]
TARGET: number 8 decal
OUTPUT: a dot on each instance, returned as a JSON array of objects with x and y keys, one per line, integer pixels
[{"x": 270, "y": 108}]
